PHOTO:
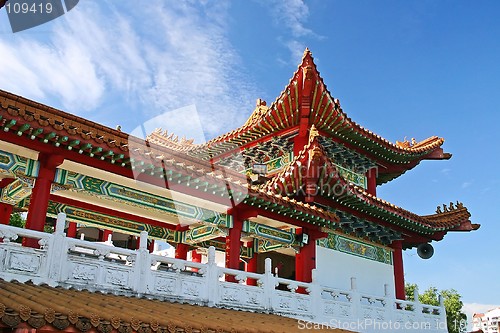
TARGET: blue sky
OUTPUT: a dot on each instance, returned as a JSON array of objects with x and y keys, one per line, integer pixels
[{"x": 399, "y": 68}]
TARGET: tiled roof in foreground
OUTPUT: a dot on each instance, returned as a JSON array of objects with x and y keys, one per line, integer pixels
[{"x": 62, "y": 309}]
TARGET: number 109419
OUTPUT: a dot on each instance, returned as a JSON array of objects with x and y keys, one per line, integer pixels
[{"x": 25, "y": 8}]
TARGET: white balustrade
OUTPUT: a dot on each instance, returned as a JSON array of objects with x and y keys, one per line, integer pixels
[{"x": 69, "y": 262}]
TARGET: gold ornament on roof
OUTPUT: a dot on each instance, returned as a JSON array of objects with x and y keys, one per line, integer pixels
[
  {"x": 449, "y": 208},
  {"x": 171, "y": 139},
  {"x": 260, "y": 109},
  {"x": 313, "y": 132},
  {"x": 403, "y": 144}
]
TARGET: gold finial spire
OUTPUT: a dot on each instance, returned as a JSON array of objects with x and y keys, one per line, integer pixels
[{"x": 306, "y": 51}]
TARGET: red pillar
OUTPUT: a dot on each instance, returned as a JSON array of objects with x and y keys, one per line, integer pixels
[
  {"x": 39, "y": 203},
  {"x": 233, "y": 246},
  {"x": 399, "y": 278},
  {"x": 5, "y": 212},
  {"x": 251, "y": 266},
  {"x": 305, "y": 260},
  {"x": 151, "y": 246},
  {"x": 71, "y": 232},
  {"x": 105, "y": 234},
  {"x": 196, "y": 257},
  {"x": 371, "y": 177},
  {"x": 181, "y": 251}
]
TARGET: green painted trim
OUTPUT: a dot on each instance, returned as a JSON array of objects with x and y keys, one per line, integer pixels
[
  {"x": 356, "y": 247},
  {"x": 18, "y": 165},
  {"x": 129, "y": 195},
  {"x": 99, "y": 220},
  {"x": 262, "y": 231}
]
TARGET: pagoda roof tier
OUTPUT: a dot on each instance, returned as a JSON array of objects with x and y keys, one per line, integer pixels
[
  {"x": 326, "y": 114},
  {"x": 39, "y": 127},
  {"x": 313, "y": 166}
]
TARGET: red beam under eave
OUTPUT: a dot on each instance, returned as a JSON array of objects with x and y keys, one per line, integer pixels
[
  {"x": 111, "y": 212},
  {"x": 331, "y": 203}
]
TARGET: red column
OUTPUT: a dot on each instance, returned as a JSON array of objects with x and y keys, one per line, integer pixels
[
  {"x": 105, "y": 234},
  {"x": 181, "y": 251},
  {"x": 371, "y": 177},
  {"x": 399, "y": 278},
  {"x": 233, "y": 246},
  {"x": 299, "y": 143},
  {"x": 251, "y": 266},
  {"x": 196, "y": 257},
  {"x": 39, "y": 203},
  {"x": 5, "y": 212},
  {"x": 151, "y": 246},
  {"x": 71, "y": 232},
  {"x": 305, "y": 260}
]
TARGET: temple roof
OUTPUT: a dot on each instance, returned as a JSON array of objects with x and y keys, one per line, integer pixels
[
  {"x": 180, "y": 161},
  {"x": 283, "y": 116},
  {"x": 60, "y": 132},
  {"x": 313, "y": 166},
  {"x": 63, "y": 309}
]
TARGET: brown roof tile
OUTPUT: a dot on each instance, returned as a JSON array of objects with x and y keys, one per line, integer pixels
[{"x": 59, "y": 307}]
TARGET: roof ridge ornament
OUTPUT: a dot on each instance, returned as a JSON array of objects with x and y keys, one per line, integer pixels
[
  {"x": 260, "y": 109},
  {"x": 306, "y": 52},
  {"x": 449, "y": 208}
]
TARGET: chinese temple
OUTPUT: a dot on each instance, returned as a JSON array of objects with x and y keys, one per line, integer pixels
[{"x": 289, "y": 197}]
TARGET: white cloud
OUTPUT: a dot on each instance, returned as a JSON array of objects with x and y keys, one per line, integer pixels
[
  {"x": 155, "y": 57},
  {"x": 470, "y": 308},
  {"x": 293, "y": 15},
  {"x": 467, "y": 184}
]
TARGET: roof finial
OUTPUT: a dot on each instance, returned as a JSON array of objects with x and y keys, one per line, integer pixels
[{"x": 306, "y": 51}]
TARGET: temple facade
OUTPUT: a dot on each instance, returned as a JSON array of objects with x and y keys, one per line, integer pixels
[{"x": 280, "y": 215}]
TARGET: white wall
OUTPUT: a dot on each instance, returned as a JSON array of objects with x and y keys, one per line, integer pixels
[{"x": 334, "y": 269}]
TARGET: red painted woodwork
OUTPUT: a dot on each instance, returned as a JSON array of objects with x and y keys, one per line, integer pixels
[
  {"x": 5, "y": 213},
  {"x": 233, "y": 245},
  {"x": 195, "y": 256},
  {"x": 105, "y": 234},
  {"x": 151, "y": 245},
  {"x": 39, "y": 203},
  {"x": 399, "y": 279},
  {"x": 71, "y": 232},
  {"x": 371, "y": 176},
  {"x": 251, "y": 266},
  {"x": 181, "y": 251},
  {"x": 6, "y": 181},
  {"x": 305, "y": 260},
  {"x": 251, "y": 263}
]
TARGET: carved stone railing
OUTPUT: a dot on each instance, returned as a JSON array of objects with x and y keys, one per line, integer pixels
[{"x": 80, "y": 264}]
